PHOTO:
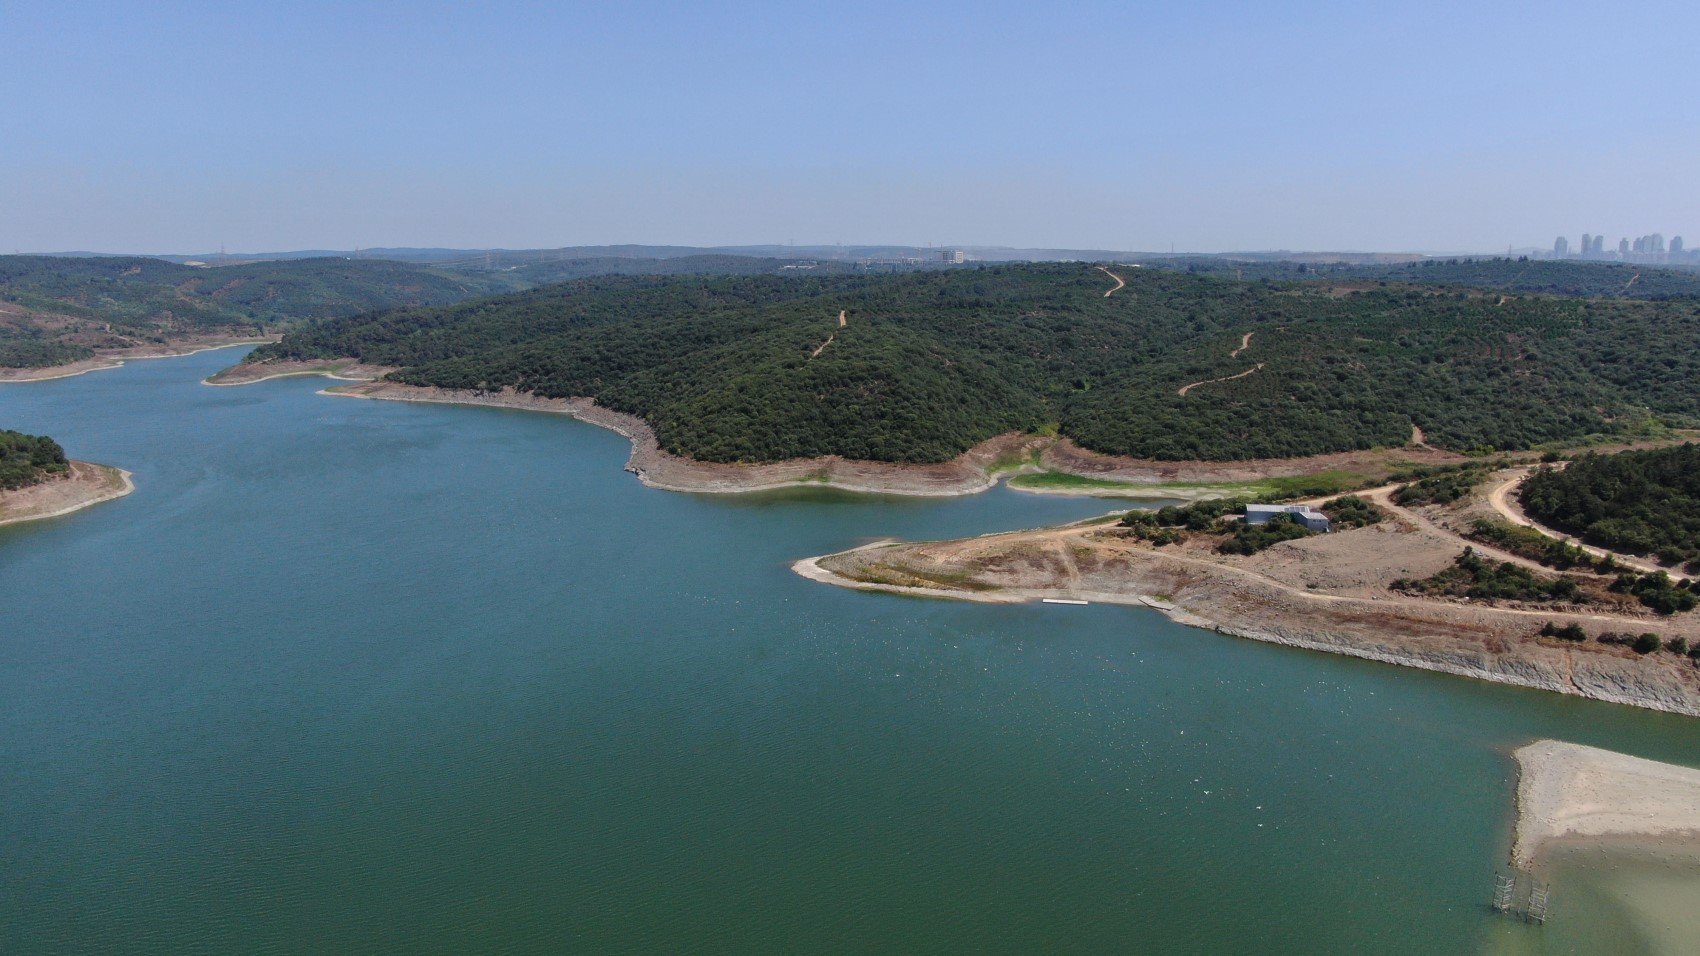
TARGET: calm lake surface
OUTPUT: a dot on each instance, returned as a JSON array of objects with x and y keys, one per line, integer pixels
[{"x": 355, "y": 676}]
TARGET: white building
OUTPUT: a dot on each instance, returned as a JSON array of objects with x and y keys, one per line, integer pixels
[{"x": 1305, "y": 515}]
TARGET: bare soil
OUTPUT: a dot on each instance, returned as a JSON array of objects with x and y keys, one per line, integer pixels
[
  {"x": 1328, "y": 592},
  {"x": 84, "y": 485},
  {"x": 1566, "y": 790}
]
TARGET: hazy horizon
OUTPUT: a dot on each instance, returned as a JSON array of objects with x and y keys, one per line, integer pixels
[{"x": 1317, "y": 127}]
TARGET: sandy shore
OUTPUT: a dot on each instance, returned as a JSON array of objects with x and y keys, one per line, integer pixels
[
  {"x": 115, "y": 358},
  {"x": 1568, "y": 792},
  {"x": 87, "y": 484}
]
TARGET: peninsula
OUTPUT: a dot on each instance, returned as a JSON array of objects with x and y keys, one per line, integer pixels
[{"x": 1402, "y": 578}]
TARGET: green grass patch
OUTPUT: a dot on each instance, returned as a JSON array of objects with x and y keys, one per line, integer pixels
[
  {"x": 1312, "y": 486},
  {"x": 1295, "y": 486},
  {"x": 1014, "y": 460},
  {"x": 1064, "y": 481}
]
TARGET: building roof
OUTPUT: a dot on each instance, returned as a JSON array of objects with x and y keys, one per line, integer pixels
[{"x": 1305, "y": 510}]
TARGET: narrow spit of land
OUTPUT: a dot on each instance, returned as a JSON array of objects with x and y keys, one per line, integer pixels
[{"x": 1567, "y": 792}]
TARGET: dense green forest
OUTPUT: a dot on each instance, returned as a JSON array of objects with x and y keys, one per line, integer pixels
[
  {"x": 1636, "y": 501},
  {"x": 932, "y": 362},
  {"x": 1562, "y": 277},
  {"x": 28, "y": 459}
]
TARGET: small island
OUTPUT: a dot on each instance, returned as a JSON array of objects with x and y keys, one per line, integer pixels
[{"x": 38, "y": 481}]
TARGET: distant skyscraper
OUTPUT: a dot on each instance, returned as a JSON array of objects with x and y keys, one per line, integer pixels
[
  {"x": 1623, "y": 247},
  {"x": 1587, "y": 244},
  {"x": 1561, "y": 247},
  {"x": 1599, "y": 245},
  {"x": 1675, "y": 246}
]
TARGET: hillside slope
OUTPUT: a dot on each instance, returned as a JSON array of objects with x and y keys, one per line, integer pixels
[
  {"x": 1568, "y": 277},
  {"x": 55, "y": 310},
  {"x": 928, "y": 364}
]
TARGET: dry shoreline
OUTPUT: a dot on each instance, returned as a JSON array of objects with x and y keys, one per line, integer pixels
[
  {"x": 1325, "y": 593},
  {"x": 978, "y": 469},
  {"x": 1568, "y": 793},
  {"x": 1611, "y": 685},
  {"x": 108, "y": 359},
  {"x": 87, "y": 485}
]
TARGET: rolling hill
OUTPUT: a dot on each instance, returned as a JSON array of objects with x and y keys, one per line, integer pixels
[{"x": 1173, "y": 366}]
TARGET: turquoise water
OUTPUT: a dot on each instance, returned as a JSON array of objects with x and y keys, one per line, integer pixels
[{"x": 349, "y": 676}]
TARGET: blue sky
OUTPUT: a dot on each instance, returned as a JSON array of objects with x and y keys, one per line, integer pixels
[{"x": 181, "y": 127}]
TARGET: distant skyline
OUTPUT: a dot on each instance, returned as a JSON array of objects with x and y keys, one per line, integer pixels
[{"x": 184, "y": 127}]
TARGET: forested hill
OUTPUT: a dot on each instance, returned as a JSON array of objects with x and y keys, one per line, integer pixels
[
  {"x": 29, "y": 459},
  {"x": 1566, "y": 277},
  {"x": 928, "y": 364},
  {"x": 1637, "y": 501},
  {"x": 59, "y": 309}
]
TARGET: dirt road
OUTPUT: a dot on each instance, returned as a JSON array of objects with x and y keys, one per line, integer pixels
[
  {"x": 1119, "y": 283},
  {"x": 843, "y": 320},
  {"x": 1245, "y": 343},
  {"x": 1211, "y": 381},
  {"x": 1501, "y": 501}
]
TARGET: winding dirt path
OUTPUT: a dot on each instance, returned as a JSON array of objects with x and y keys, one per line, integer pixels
[
  {"x": 843, "y": 320},
  {"x": 1211, "y": 381},
  {"x": 1631, "y": 281},
  {"x": 1383, "y": 498},
  {"x": 1119, "y": 281},
  {"x": 1501, "y": 501},
  {"x": 1418, "y": 439},
  {"x": 1245, "y": 343}
]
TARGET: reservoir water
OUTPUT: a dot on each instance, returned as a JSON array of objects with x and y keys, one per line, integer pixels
[{"x": 354, "y": 676}]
